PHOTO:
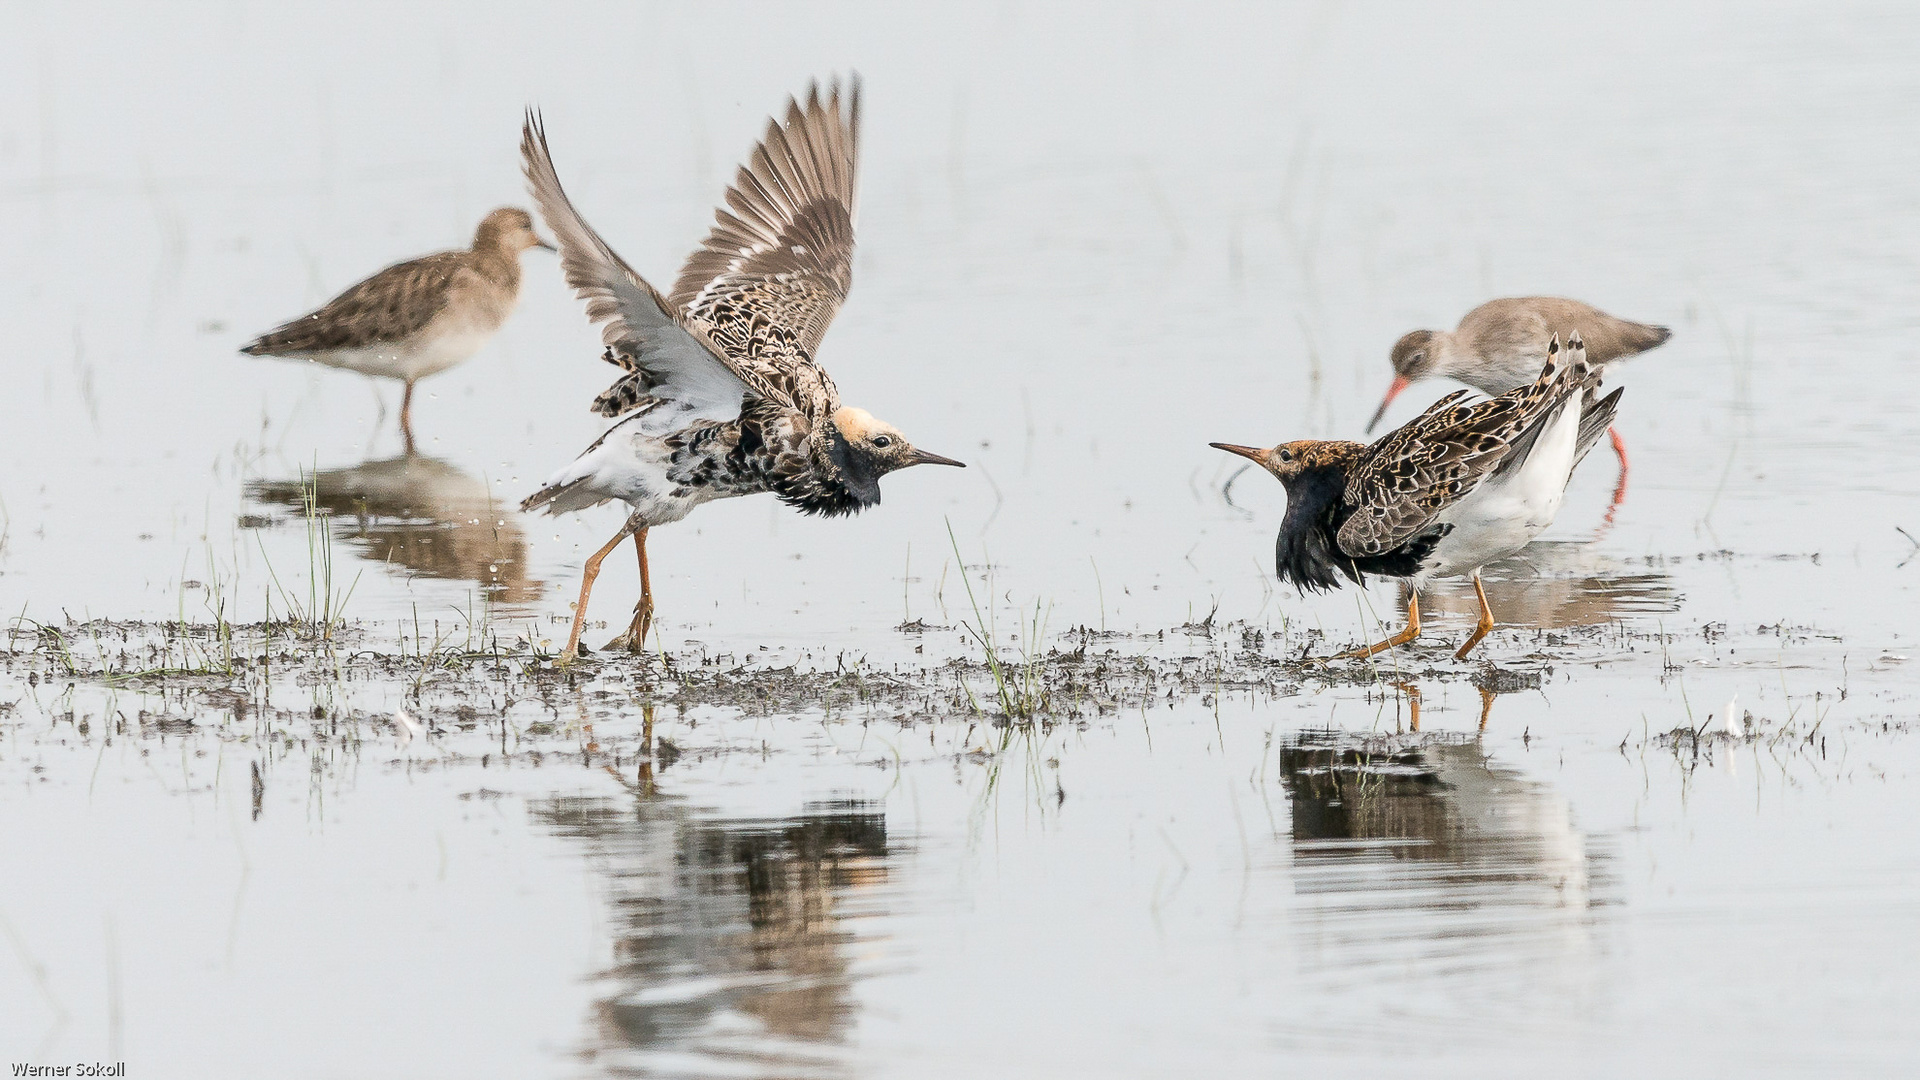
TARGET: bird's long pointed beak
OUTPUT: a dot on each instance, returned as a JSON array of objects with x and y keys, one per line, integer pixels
[
  {"x": 921, "y": 457},
  {"x": 1253, "y": 454},
  {"x": 537, "y": 242},
  {"x": 1400, "y": 382}
]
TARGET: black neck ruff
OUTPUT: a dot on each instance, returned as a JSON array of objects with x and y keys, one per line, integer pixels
[{"x": 1307, "y": 552}]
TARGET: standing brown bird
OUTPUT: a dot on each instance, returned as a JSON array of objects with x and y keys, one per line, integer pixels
[
  {"x": 1457, "y": 488},
  {"x": 722, "y": 397},
  {"x": 1501, "y": 344},
  {"x": 419, "y": 317}
]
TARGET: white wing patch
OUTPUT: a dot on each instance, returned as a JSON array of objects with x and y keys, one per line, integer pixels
[{"x": 691, "y": 373}]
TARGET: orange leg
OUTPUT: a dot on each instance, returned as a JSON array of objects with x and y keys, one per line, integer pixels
[
  {"x": 1485, "y": 626},
  {"x": 636, "y": 634},
  {"x": 1408, "y": 633},
  {"x": 646, "y": 751},
  {"x": 1486, "y": 706},
  {"x": 587, "y": 574},
  {"x": 1413, "y": 705}
]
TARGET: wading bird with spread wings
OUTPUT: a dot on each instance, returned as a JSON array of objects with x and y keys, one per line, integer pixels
[{"x": 721, "y": 396}]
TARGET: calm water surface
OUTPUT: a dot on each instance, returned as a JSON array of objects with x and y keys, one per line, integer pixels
[{"x": 1092, "y": 240}]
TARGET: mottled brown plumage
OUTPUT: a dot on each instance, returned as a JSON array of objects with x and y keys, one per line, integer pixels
[
  {"x": 416, "y": 318},
  {"x": 1459, "y": 486},
  {"x": 395, "y": 303},
  {"x": 767, "y": 281},
  {"x": 722, "y": 396},
  {"x": 1401, "y": 483},
  {"x": 785, "y": 252},
  {"x": 1501, "y": 344},
  {"x": 404, "y": 299}
]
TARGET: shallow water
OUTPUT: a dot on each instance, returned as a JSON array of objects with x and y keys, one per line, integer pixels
[{"x": 1091, "y": 242}]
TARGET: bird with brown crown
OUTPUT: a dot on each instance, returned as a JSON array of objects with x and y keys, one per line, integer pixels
[
  {"x": 419, "y": 317},
  {"x": 1501, "y": 344},
  {"x": 1456, "y": 488},
  {"x": 721, "y": 396}
]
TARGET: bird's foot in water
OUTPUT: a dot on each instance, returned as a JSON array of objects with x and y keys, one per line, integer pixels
[
  {"x": 634, "y": 638},
  {"x": 626, "y": 642},
  {"x": 581, "y": 651}
]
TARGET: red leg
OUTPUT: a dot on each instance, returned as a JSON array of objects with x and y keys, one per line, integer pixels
[{"x": 1619, "y": 488}]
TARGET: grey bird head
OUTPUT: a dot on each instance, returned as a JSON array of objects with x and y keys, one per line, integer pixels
[{"x": 1413, "y": 360}]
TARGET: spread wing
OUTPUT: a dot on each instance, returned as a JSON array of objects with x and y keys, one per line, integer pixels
[
  {"x": 390, "y": 306},
  {"x": 777, "y": 266},
  {"x": 1400, "y": 484},
  {"x": 678, "y": 362}
]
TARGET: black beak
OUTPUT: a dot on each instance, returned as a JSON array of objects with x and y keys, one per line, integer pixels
[
  {"x": 1251, "y": 453},
  {"x": 921, "y": 457},
  {"x": 539, "y": 243}
]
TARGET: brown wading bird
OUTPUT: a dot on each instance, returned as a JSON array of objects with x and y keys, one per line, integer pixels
[
  {"x": 1500, "y": 345},
  {"x": 1457, "y": 488},
  {"x": 419, "y": 317},
  {"x": 722, "y": 397}
]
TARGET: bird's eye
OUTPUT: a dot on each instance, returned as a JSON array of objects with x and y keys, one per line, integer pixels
[
  {"x": 882, "y": 441},
  {"x": 1286, "y": 455}
]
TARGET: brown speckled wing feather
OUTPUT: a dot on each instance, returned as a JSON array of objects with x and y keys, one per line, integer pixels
[
  {"x": 1400, "y": 484},
  {"x": 392, "y": 305},
  {"x": 777, "y": 266},
  {"x": 673, "y": 358}
]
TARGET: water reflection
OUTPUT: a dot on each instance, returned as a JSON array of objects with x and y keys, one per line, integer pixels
[
  {"x": 419, "y": 513},
  {"x": 1556, "y": 584},
  {"x": 1421, "y": 857},
  {"x": 730, "y": 935}
]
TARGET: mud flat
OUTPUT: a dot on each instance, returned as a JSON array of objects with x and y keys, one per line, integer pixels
[{"x": 805, "y": 857}]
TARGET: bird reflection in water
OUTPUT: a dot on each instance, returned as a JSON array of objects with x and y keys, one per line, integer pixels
[
  {"x": 1555, "y": 585},
  {"x": 1420, "y": 856},
  {"x": 419, "y": 513},
  {"x": 731, "y": 936}
]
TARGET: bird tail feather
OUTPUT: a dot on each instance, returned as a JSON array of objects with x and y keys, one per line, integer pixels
[{"x": 1595, "y": 418}]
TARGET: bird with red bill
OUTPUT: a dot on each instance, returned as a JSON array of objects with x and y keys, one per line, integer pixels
[
  {"x": 1456, "y": 488},
  {"x": 1501, "y": 345}
]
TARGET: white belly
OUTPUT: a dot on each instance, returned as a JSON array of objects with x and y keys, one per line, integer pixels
[
  {"x": 629, "y": 464},
  {"x": 428, "y": 354},
  {"x": 1507, "y": 511}
]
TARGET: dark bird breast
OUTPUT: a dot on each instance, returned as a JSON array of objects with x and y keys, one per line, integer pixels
[
  {"x": 760, "y": 452},
  {"x": 851, "y": 486},
  {"x": 1307, "y": 553},
  {"x": 847, "y": 483}
]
